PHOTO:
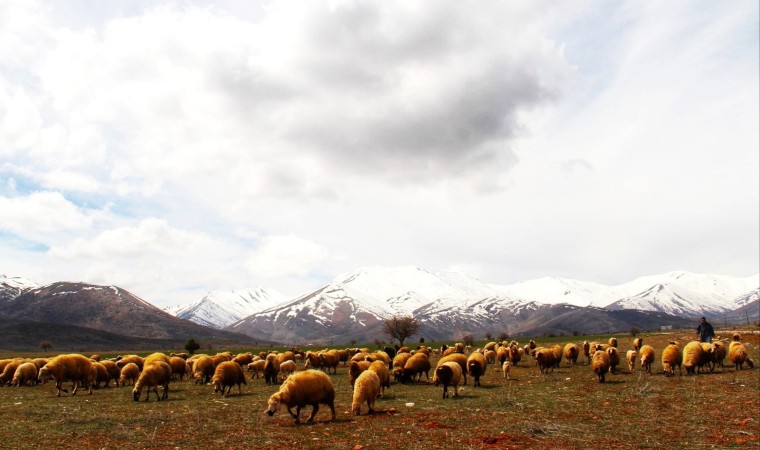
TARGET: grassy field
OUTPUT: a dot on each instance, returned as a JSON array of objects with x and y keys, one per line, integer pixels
[{"x": 564, "y": 409}]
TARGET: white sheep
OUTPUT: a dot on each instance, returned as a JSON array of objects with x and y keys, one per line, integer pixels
[
  {"x": 227, "y": 374},
  {"x": 476, "y": 367},
  {"x": 26, "y": 373},
  {"x": 158, "y": 373},
  {"x": 671, "y": 357},
  {"x": 73, "y": 367},
  {"x": 366, "y": 389},
  {"x": 449, "y": 374},
  {"x": 631, "y": 356},
  {"x": 692, "y": 357},
  {"x": 287, "y": 368},
  {"x": 310, "y": 387},
  {"x": 129, "y": 374},
  {"x": 646, "y": 354},
  {"x": 505, "y": 368},
  {"x": 600, "y": 364},
  {"x": 381, "y": 369}
]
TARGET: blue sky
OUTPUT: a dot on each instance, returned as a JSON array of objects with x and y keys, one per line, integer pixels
[{"x": 173, "y": 148}]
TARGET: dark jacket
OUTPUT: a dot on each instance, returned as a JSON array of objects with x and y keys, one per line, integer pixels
[{"x": 704, "y": 330}]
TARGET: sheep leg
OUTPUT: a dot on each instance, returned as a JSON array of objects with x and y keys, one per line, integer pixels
[
  {"x": 298, "y": 412},
  {"x": 74, "y": 387},
  {"x": 314, "y": 410},
  {"x": 165, "y": 395}
]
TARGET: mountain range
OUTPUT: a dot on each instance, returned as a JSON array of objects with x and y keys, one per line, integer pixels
[{"x": 450, "y": 305}]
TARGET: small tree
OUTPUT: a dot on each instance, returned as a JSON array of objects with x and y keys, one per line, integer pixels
[
  {"x": 401, "y": 327},
  {"x": 46, "y": 345},
  {"x": 468, "y": 339},
  {"x": 489, "y": 336},
  {"x": 634, "y": 331},
  {"x": 192, "y": 346},
  {"x": 504, "y": 336}
]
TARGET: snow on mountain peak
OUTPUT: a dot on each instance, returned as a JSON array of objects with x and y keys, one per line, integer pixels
[{"x": 221, "y": 308}]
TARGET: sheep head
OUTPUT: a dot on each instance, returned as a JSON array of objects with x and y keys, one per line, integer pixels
[{"x": 273, "y": 404}]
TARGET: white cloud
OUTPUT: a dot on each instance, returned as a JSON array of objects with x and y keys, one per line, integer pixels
[
  {"x": 34, "y": 215},
  {"x": 290, "y": 255}
]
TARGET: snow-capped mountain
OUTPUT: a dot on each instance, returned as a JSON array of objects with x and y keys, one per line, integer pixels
[
  {"x": 553, "y": 291},
  {"x": 684, "y": 293},
  {"x": 12, "y": 287},
  {"x": 221, "y": 308}
]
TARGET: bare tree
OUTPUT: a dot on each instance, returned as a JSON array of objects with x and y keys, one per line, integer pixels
[
  {"x": 401, "y": 327},
  {"x": 46, "y": 345}
]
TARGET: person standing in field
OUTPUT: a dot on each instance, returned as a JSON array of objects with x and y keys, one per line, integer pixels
[{"x": 705, "y": 331}]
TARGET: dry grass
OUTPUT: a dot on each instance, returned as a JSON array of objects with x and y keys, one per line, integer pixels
[{"x": 564, "y": 409}]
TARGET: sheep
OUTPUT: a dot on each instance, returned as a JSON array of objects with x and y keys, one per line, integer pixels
[
  {"x": 122, "y": 361},
  {"x": 227, "y": 374},
  {"x": 557, "y": 350},
  {"x": 158, "y": 373},
  {"x": 600, "y": 364},
  {"x": 382, "y": 356},
  {"x": 449, "y": 374},
  {"x": 515, "y": 354},
  {"x": 243, "y": 359},
  {"x": 502, "y": 354},
  {"x": 505, "y": 368},
  {"x": 476, "y": 367},
  {"x": 286, "y": 356},
  {"x": 312, "y": 361},
  {"x": 708, "y": 355},
  {"x": 418, "y": 364},
  {"x": 738, "y": 355},
  {"x": 458, "y": 358},
  {"x": 355, "y": 369},
  {"x": 614, "y": 359},
  {"x": 10, "y": 369},
  {"x": 101, "y": 374},
  {"x": 398, "y": 365},
  {"x": 179, "y": 366},
  {"x": 490, "y": 356},
  {"x": 271, "y": 369},
  {"x": 74, "y": 367},
  {"x": 646, "y": 354},
  {"x": 256, "y": 367},
  {"x": 113, "y": 370},
  {"x": 129, "y": 374},
  {"x": 383, "y": 373},
  {"x": 330, "y": 359},
  {"x": 184, "y": 356},
  {"x": 587, "y": 351},
  {"x": 343, "y": 356},
  {"x": 287, "y": 368},
  {"x": 203, "y": 369},
  {"x": 24, "y": 374},
  {"x": 95, "y": 358},
  {"x": 720, "y": 352},
  {"x": 612, "y": 342},
  {"x": 637, "y": 343},
  {"x": 310, "y": 387},
  {"x": 545, "y": 359},
  {"x": 692, "y": 357},
  {"x": 366, "y": 389},
  {"x": 671, "y": 357},
  {"x": 40, "y": 362},
  {"x": 571, "y": 352},
  {"x": 359, "y": 357},
  {"x": 631, "y": 356}
]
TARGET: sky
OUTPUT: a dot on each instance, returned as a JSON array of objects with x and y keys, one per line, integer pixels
[{"x": 176, "y": 148}]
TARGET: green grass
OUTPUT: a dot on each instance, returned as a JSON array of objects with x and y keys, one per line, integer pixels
[{"x": 564, "y": 409}]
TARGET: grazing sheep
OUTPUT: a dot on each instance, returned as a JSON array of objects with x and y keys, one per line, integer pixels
[
  {"x": 203, "y": 369},
  {"x": 129, "y": 374},
  {"x": 227, "y": 374},
  {"x": 720, "y": 353},
  {"x": 505, "y": 368},
  {"x": 383, "y": 373},
  {"x": 692, "y": 357},
  {"x": 631, "y": 356},
  {"x": 179, "y": 366},
  {"x": 271, "y": 369},
  {"x": 476, "y": 367},
  {"x": 40, "y": 362},
  {"x": 398, "y": 365},
  {"x": 600, "y": 364},
  {"x": 312, "y": 361},
  {"x": 243, "y": 359},
  {"x": 101, "y": 375},
  {"x": 10, "y": 369},
  {"x": 571, "y": 352},
  {"x": 587, "y": 351},
  {"x": 330, "y": 359},
  {"x": 614, "y": 359},
  {"x": 612, "y": 342},
  {"x": 515, "y": 354},
  {"x": 449, "y": 374},
  {"x": 355, "y": 368},
  {"x": 310, "y": 387},
  {"x": 737, "y": 354},
  {"x": 95, "y": 358},
  {"x": 256, "y": 367},
  {"x": 382, "y": 356},
  {"x": 490, "y": 356},
  {"x": 26, "y": 373},
  {"x": 113, "y": 371},
  {"x": 458, "y": 358},
  {"x": 545, "y": 359},
  {"x": 646, "y": 354},
  {"x": 637, "y": 343},
  {"x": 502, "y": 354},
  {"x": 671, "y": 357},
  {"x": 366, "y": 389},
  {"x": 73, "y": 367},
  {"x": 157, "y": 373},
  {"x": 184, "y": 356},
  {"x": 415, "y": 366},
  {"x": 122, "y": 361},
  {"x": 708, "y": 356},
  {"x": 287, "y": 368}
]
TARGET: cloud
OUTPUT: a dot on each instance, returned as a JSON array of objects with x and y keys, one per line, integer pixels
[
  {"x": 42, "y": 213},
  {"x": 290, "y": 255}
]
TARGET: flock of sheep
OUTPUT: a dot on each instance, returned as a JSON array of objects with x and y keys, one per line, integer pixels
[{"x": 304, "y": 375}]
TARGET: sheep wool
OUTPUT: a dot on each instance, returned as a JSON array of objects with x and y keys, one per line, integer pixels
[
  {"x": 646, "y": 355},
  {"x": 737, "y": 354},
  {"x": 692, "y": 357},
  {"x": 600, "y": 364},
  {"x": 226, "y": 375},
  {"x": 381, "y": 369},
  {"x": 158, "y": 373},
  {"x": 671, "y": 357},
  {"x": 571, "y": 352},
  {"x": 476, "y": 367},
  {"x": 310, "y": 387},
  {"x": 26, "y": 373},
  {"x": 631, "y": 356},
  {"x": 74, "y": 367},
  {"x": 366, "y": 389}
]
